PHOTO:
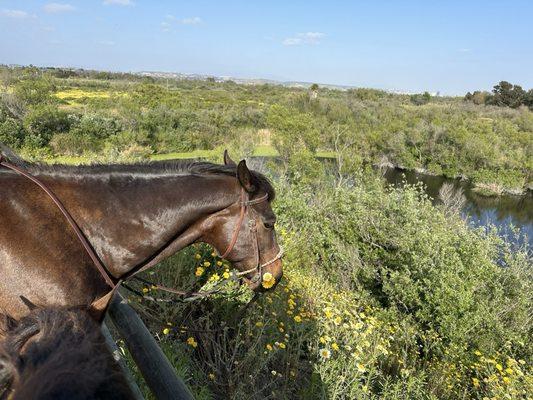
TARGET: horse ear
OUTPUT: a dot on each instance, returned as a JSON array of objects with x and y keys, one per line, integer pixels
[
  {"x": 245, "y": 177},
  {"x": 7, "y": 323},
  {"x": 31, "y": 306},
  {"x": 227, "y": 159}
]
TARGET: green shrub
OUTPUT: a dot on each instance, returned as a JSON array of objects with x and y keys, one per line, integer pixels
[
  {"x": 384, "y": 296},
  {"x": 42, "y": 122}
]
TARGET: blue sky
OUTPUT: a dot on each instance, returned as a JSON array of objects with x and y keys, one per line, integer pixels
[{"x": 446, "y": 46}]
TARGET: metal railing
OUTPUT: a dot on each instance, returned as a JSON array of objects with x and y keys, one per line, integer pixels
[{"x": 154, "y": 366}]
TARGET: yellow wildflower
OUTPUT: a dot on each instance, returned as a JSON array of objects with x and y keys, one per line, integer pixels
[
  {"x": 259, "y": 324},
  {"x": 509, "y": 370},
  {"x": 145, "y": 290},
  {"x": 268, "y": 280},
  {"x": 297, "y": 318},
  {"x": 475, "y": 382},
  {"x": 335, "y": 346},
  {"x": 212, "y": 376},
  {"x": 219, "y": 263},
  {"x": 226, "y": 275},
  {"x": 328, "y": 312},
  {"x": 499, "y": 367},
  {"x": 215, "y": 277},
  {"x": 207, "y": 264},
  {"x": 360, "y": 367},
  {"x": 477, "y": 353},
  {"x": 197, "y": 256},
  {"x": 269, "y": 347},
  {"x": 506, "y": 380},
  {"x": 192, "y": 342},
  {"x": 337, "y": 320},
  {"x": 199, "y": 271},
  {"x": 166, "y": 331}
]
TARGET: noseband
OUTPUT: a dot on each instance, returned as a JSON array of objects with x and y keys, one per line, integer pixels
[{"x": 245, "y": 202}]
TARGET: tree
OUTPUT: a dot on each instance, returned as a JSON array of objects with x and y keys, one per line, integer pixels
[
  {"x": 478, "y": 97},
  {"x": 420, "y": 99},
  {"x": 314, "y": 91},
  {"x": 528, "y": 99},
  {"x": 507, "y": 94}
]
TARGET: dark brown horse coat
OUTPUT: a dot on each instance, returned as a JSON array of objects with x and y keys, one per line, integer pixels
[
  {"x": 57, "y": 353},
  {"x": 133, "y": 215}
]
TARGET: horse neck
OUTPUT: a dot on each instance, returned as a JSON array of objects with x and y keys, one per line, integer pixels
[{"x": 138, "y": 221}]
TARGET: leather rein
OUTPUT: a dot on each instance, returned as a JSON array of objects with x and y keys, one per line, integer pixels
[
  {"x": 114, "y": 283},
  {"x": 81, "y": 237}
]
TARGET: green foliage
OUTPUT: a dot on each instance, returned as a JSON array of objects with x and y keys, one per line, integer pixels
[
  {"x": 420, "y": 99},
  {"x": 507, "y": 94},
  {"x": 34, "y": 91},
  {"x": 358, "y": 126},
  {"x": 42, "y": 122},
  {"x": 11, "y": 132},
  {"x": 384, "y": 296}
]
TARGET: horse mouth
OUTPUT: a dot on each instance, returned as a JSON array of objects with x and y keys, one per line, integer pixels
[{"x": 259, "y": 284}]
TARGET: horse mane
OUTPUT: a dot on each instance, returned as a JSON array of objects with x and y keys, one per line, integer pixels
[
  {"x": 154, "y": 168},
  {"x": 59, "y": 353}
]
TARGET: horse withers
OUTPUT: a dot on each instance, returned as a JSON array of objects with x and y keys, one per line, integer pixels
[
  {"x": 133, "y": 216},
  {"x": 55, "y": 354}
]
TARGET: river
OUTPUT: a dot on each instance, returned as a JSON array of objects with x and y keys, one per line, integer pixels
[{"x": 504, "y": 212}]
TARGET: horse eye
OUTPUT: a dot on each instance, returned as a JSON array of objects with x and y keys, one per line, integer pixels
[{"x": 269, "y": 225}]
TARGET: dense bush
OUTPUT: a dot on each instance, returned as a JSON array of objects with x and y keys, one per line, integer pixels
[
  {"x": 488, "y": 143},
  {"x": 385, "y": 296}
]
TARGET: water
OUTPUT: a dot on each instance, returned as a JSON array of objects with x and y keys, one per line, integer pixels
[{"x": 503, "y": 212}]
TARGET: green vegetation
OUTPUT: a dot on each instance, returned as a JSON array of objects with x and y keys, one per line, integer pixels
[
  {"x": 53, "y": 114},
  {"x": 504, "y": 94},
  {"x": 385, "y": 296}
]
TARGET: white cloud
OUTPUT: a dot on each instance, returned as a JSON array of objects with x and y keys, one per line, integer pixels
[
  {"x": 292, "y": 41},
  {"x": 304, "y": 38},
  {"x": 18, "y": 14},
  {"x": 171, "y": 20},
  {"x": 191, "y": 21},
  {"x": 118, "y": 2},
  {"x": 54, "y": 8}
]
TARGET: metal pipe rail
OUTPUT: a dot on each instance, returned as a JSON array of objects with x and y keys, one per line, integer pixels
[{"x": 150, "y": 359}]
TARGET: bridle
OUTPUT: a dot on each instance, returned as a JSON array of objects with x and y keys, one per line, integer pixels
[
  {"x": 114, "y": 283},
  {"x": 245, "y": 204}
]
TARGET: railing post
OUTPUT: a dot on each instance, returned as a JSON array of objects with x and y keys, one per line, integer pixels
[
  {"x": 120, "y": 361},
  {"x": 156, "y": 369}
]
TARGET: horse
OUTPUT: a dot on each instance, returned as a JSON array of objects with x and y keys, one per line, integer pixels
[
  {"x": 58, "y": 353},
  {"x": 131, "y": 217}
]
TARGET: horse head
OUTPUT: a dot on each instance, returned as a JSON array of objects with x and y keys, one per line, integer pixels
[{"x": 244, "y": 233}]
